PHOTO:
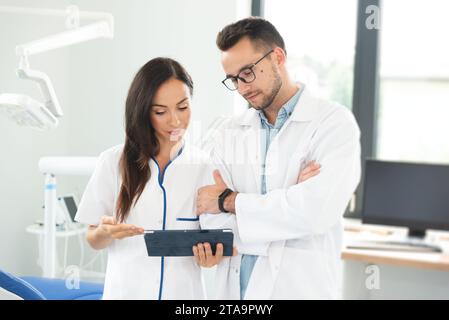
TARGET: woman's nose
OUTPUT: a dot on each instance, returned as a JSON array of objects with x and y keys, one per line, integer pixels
[{"x": 174, "y": 121}]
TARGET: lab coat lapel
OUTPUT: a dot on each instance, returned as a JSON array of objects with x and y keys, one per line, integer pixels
[
  {"x": 305, "y": 111},
  {"x": 251, "y": 133},
  {"x": 283, "y": 148},
  {"x": 266, "y": 269}
]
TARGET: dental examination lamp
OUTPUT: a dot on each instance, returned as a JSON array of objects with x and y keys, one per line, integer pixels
[{"x": 25, "y": 110}]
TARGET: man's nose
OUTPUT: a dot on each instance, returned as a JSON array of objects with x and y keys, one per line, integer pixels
[{"x": 243, "y": 87}]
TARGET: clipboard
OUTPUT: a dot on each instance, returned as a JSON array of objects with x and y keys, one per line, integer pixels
[{"x": 179, "y": 243}]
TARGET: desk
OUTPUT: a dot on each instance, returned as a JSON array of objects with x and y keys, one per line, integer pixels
[
  {"x": 431, "y": 261},
  {"x": 403, "y": 275}
]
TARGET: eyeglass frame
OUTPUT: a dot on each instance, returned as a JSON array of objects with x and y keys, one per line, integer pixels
[{"x": 250, "y": 67}]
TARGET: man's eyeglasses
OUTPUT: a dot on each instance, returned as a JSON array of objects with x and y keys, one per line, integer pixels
[{"x": 246, "y": 75}]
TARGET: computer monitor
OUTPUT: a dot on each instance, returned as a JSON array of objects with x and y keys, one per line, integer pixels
[
  {"x": 413, "y": 195},
  {"x": 69, "y": 208}
]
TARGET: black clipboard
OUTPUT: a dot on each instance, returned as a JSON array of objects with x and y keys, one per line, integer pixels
[{"x": 179, "y": 243}]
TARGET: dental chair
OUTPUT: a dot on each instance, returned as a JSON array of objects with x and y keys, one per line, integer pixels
[{"x": 38, "y": 288}]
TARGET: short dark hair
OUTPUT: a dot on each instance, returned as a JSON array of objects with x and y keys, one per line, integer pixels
[{"x": 260, "y": 31}]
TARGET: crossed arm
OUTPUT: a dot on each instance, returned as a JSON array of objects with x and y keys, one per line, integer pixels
[{"x": 202, "y": 251}]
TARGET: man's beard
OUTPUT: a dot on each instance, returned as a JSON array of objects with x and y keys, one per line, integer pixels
[{"x": 268, "y": 100}]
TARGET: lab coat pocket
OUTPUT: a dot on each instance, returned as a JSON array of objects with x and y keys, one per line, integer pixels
[
  {"x": 187, "y": 222},
  {"x": 305, "y": 274}
]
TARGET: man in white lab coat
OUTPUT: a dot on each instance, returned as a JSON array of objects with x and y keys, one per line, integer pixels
[{"x": 289, "y": 234}]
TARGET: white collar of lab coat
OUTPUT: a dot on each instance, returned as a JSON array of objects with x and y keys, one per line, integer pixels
[{"x": 304, "y": 111}]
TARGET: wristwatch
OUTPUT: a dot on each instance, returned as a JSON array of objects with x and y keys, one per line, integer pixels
[{"x": 221, "y": 199}]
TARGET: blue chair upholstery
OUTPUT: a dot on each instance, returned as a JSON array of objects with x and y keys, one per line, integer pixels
[
  {"x": 19, "y": 287},
  {"x": 38, "y": 288},
  {"x": 55, "y": 289}
]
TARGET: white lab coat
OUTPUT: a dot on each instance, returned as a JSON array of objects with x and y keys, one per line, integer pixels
[
  {"x": 130, "y": 273},
  {"x": 296, "y": 229}
]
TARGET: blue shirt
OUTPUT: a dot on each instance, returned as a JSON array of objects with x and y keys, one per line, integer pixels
[{"x": 268, "y": 133}]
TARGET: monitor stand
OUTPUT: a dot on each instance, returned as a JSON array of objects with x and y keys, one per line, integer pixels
[
  {"x": 417, "y": 234},
  {"x": 414, "y": 239}
]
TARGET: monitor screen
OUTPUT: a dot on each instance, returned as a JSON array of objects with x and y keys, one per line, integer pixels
[
  {"x": 406, "y": 194},
  {"x": 70, "y": 203}
]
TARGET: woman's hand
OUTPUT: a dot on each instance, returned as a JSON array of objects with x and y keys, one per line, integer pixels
[
  {"x": 312, "y": 169},
  {"x": 114, "y": 230},
  {"x": 203, "y": 254},
  {"x": 101, "y": 236}
]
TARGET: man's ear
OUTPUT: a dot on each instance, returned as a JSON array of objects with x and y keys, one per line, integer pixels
[{"x": 280, "y": 56}]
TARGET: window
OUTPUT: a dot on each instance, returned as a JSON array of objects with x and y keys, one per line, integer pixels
[
  {"x": 413, "y": 114},
  {"x": 401, "y": 72},
  {"x": 320, "y": 40}
]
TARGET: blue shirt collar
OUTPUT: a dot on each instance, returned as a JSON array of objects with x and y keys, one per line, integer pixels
[{"x": 286, "y": 110}]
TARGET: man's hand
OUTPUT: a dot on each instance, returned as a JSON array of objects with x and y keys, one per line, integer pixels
[
  {"x": 203, "y": 254},
  {"x": 312, "y": 169},
  {"x": 207, "y": 199}
]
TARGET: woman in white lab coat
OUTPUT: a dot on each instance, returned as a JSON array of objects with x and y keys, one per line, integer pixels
[{"x": 150, "y": 182}]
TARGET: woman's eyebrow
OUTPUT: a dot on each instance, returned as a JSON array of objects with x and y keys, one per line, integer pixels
[
  {"x": 163, "y": 106},
  {"x": 182, "y": 100}
]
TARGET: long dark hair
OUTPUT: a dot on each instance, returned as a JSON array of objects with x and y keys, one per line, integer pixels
[{"x": 141, "y": 143}]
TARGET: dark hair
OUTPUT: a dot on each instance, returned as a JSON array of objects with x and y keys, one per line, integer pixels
[
  {"x": 260, "y": 31},
  {"x": 141, "y": 143}
]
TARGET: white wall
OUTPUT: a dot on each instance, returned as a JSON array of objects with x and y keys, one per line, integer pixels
[
  {"x": 183, "y": 30},
  {"x": 91, "y": 81},
  {"x": 21, "y": 184}
]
